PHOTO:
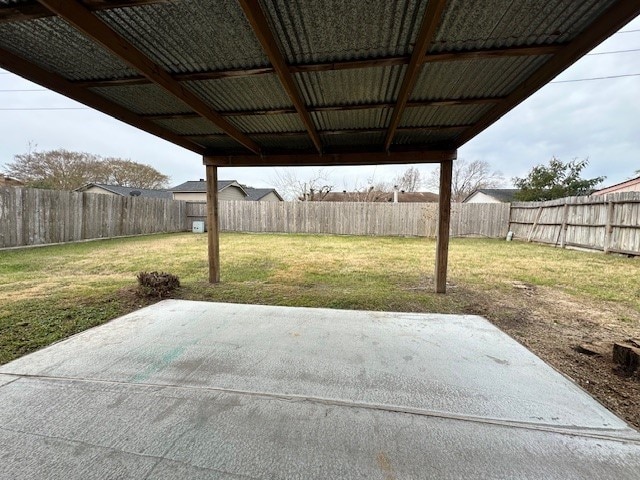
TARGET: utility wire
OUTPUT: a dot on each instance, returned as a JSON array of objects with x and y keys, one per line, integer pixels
[
  {"x": 597, "y": 78},
  {"x": 46, "y": 108},
  {"x": 617, "y": 51}
]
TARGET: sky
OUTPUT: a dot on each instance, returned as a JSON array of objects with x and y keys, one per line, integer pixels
[{"x": 594, "y": 119}]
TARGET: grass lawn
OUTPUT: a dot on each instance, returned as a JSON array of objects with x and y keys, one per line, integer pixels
[{"x": 536, "y": 293}]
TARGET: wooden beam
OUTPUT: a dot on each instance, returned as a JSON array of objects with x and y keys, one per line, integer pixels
[
  {"x": 432, "y": 18},
  {"x": 213, "y": 234},
  {"x": 444, "y": 221},
  {"x": 617, "y": 16},
  {"x": 334, "y": 108},
  {"x": 255, "y": 15},
  {"x": 93, "y": 27},
  {"x": 446, "y": 56},
  {"x": 32, "y": 9},
  {"x": 479, "y": 54},
  {"x": 312, "y": 159},
  {"x": 52, "y": 81}
]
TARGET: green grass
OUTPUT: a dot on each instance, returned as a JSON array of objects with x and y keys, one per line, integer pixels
[{"x": 52, "y": 292}]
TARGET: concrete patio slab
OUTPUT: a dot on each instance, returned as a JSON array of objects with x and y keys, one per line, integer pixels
[{"x": 206, "y": 390}]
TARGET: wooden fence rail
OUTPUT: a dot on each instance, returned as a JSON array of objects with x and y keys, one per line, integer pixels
[
  {"x": 356, "y": 218},
  {"x": 610, "y": 223},
  {"x": 37, "y": 217}
]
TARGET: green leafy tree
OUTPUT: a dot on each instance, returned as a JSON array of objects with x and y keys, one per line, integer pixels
[{"x": 555, "y": 180}]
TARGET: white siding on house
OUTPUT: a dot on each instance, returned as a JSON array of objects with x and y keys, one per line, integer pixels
[
  {"x": 480, "y": 197},
  {"x": 270, "y": 197},
  {"x": 95, "y": 189},
  {"x": 230, "y": 193}
]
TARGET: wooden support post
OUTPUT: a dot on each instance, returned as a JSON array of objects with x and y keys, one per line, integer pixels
[
  {"x": 212, "y": 224},
  {"x": 444, "y": 220}
]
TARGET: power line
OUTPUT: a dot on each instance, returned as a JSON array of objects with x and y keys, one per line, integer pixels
[
  {"x": 45, "y": 108},
  {"x": 611, "y": 53},
  {"x": 597, "y": 78},
  {"x": 26, "y": 90},
  {"x": 629, "y": 31}
]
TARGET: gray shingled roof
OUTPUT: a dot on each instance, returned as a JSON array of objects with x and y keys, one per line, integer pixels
[
  {"x": 126, "y": 191},
  {"x": 200, "y": 186},
  {"x": 258, "y": 193}
]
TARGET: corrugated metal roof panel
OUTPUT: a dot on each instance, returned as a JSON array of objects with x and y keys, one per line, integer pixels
[
  {"x": 334, "y": 30},
  {"x": 351, "y": 87},
  {"x": 474, "y": 78},
  {"x": 190, "y": 36},
  {"x": 285, "y": 142},
  {"x": 347, "y": 119},
  {"x": 504, "y": 23},
  {"x": 53, "y": 45},
  {"x": 450, "y": 115},
  {"x": 268, "y": 123},
  {"x": 257, "y": 92},
  {"x": 367, "y": 139},
  {"x": 425, "y": 137},
  {"x": 148, "y": 99},
  {"x": 223, "y": 143},
  {"x": 189, "y": 126}
]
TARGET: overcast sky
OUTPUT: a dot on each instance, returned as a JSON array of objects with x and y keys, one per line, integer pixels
[{"x": 598, "y": 119}]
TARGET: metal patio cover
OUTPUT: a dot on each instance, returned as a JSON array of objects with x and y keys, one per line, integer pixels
[{"x": 281, "y": 82}]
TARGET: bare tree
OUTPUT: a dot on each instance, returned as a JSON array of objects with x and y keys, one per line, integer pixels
[
  {"x": 409, "y": 181},
  {"x": 467, "y": 177},
  {"x": 292, "y": 187},
  {"x": 65, "y": 170}
]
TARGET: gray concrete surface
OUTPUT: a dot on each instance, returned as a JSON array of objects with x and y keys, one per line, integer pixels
[{"x": 206, "y": 390}]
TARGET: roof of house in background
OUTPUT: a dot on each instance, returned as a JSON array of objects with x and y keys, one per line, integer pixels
[
  {"x": 254, "y": 83},
  {"x": 627, "y": 183},
  {"x": 200, "y": 186},
  {"x": 504, "y": 195},
  {"x": 259, "y": 193},
  {"x": 128, "y": 191},
  {"x": 377, "y": 196},
  {"x": 9, "y": 182}
]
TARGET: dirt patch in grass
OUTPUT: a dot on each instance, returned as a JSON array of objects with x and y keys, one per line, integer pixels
[{"x": 556, "y": 326}]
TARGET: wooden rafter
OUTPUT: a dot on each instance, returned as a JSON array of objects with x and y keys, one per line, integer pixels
[
  {"x": 255, "y": 15},
  {"x": 610, "y": 22},
  {"x": 333, "y": 108},
  {"x": 432, "y": 18},
  {"x": 446, "y": 56},
  {"x": 93, "y": 27},
  {"x": 32, "y": 9},
  {"x": 312, "y": 159},
  {"x": 344, "y": 131},
  {"x": 52, "y": 81}
]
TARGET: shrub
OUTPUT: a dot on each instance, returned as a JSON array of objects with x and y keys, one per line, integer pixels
[{"x": 157, "y": 284}]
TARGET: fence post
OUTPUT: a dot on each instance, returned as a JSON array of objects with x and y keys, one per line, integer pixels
[
  {"x": 535, "y": 223},
  {"x": 565, "y": 218},
  {"x": 608, "y": 226}
]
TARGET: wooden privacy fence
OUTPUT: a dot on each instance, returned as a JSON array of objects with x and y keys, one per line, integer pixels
[
  {"x": 610, "y": 223},
  {"x": 36, "y": 217},
  {"x": 355, "y": 218}
]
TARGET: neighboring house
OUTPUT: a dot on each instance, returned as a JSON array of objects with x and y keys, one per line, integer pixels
[
  {"x": 196, "y": 191},
  {"x": 262, "y": 194},
  {"x": 377, "y": 196},
  {"x": 491, "y": 195},
  {"x": 632, "y": 185},
  {"x": 104, "y": 189},
  {"x": 9, "y": 182}
]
